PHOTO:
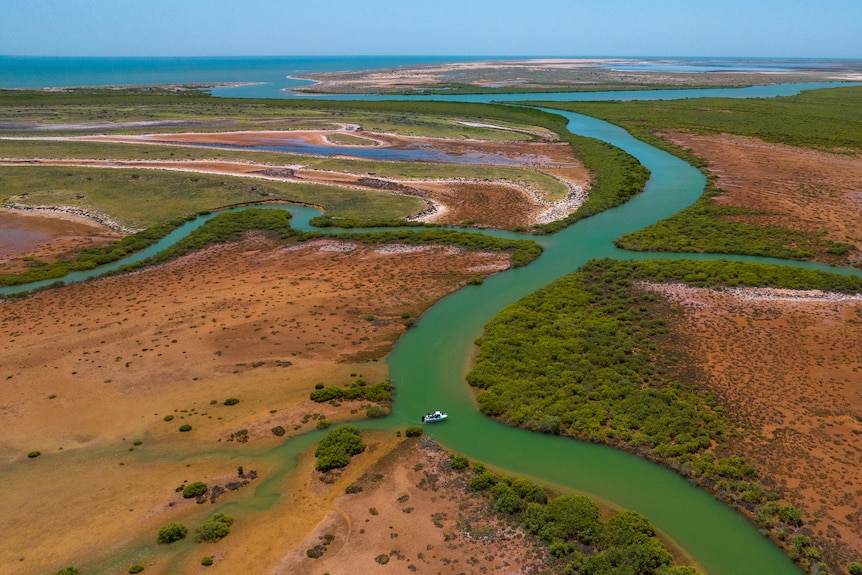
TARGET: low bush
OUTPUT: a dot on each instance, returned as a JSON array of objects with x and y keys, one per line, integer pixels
[
  {"x": 172, "y": 532},
  {"x": 231, "y": 401},
  {"x": 34, "y": 454},
  {"x": 460, "y": 463},
  {"x": 414, "y": 431},
  {"x": 185, "y": 427},
  {"x": 214, "y": 529},
  {"x": 207, "y": 560},
  {"x": 375, "y": 412},
  {"x": 339, "y": 445},
  {"x": 195, "y": 489},
  {"x": 278, "y": 431},
  {"x": 137, "y": 568}
]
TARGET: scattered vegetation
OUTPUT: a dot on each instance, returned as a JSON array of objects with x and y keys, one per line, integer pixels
[
  {"x": 358, "y": 389},
  {"x": 337, "y": 447},
  {"x": 137, "y": 568},
  {"x": 67, "y": 571},
  {"x": 231, "y": 401},
  {"x": 207, "y": 560},
  {"x": 185, "y": 427},
  {"x": 34, "y": 454},
  {"x": 278, "y": 431}
]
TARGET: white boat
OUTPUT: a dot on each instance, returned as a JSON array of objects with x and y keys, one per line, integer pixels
[{"x": 434, "y": 417}]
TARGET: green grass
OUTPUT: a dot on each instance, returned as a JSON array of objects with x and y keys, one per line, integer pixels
[
  {"x": 146, "y": 198},
  {"x": 350, "y": 140},
  {"x": 618, "y": 175},
  {"x": 548, "y": 186}
]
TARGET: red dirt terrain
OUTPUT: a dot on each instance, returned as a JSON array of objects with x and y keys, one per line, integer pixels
[
  {"x": 786, "y": 367},
  {"x": 799, "y": 188}
]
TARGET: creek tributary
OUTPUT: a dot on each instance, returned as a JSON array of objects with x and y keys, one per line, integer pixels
[{"x": 429, "y": 363}]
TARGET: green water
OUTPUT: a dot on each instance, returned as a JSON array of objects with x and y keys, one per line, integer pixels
[{"x": 429, "y": 363}]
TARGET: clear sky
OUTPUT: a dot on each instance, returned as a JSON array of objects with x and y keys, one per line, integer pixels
[{"x": 766, "y": 28}]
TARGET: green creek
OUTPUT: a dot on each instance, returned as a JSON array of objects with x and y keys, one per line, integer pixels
[{"x": 429, "y": 363}]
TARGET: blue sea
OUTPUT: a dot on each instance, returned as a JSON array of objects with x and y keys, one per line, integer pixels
[{"x": 272, "y": 75}]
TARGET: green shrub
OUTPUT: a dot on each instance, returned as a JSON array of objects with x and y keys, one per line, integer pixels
[
  {"x": 339, "y": 445},
  {"x": 67, "y": 571},
  {"x": 375, "y": 412},
  {"x": 481, "y": 481},
  {"x": 231, "y": 401},
  {"x": 214, "y": 529},
  {"x": 207, "y": 560},
  {"x": 172, "y": 532},
  {"x": 169, "y": 418},
  {"x": 790, "y": 515},
  {"x": 855, "y": 568},
  {"x": 137, "y": 568},
  {"x": 353, "y": 488},
  {"x": 185, "y": 427},
  {"x": 460, "y": 463},
  {"x": 414, "y": 431},
  {"x": 195, "y": 489},
  {"x": 323, "y": 423},
  {"x": 278, "y": 431},
  {"x": 326, "y": 394},
  {"x": 34, "y": 454}
]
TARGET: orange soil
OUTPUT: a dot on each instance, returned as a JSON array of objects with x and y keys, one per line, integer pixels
[
  {"x": 413, "y": 509},
  {"x": 51, "y": 237},
  {"x": 800, "y": 188},
  {"x": 252, "y": 320},
  {"x": 789, "y": 372}
]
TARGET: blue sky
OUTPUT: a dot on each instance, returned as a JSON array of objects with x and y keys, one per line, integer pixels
[{"x": 766, "y": 28}]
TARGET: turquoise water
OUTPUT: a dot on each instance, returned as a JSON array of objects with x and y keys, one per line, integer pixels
[{"x": 271, "y": 76}]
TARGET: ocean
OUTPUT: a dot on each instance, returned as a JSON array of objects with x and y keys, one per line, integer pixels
[{"x": 271, "y": 75}]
